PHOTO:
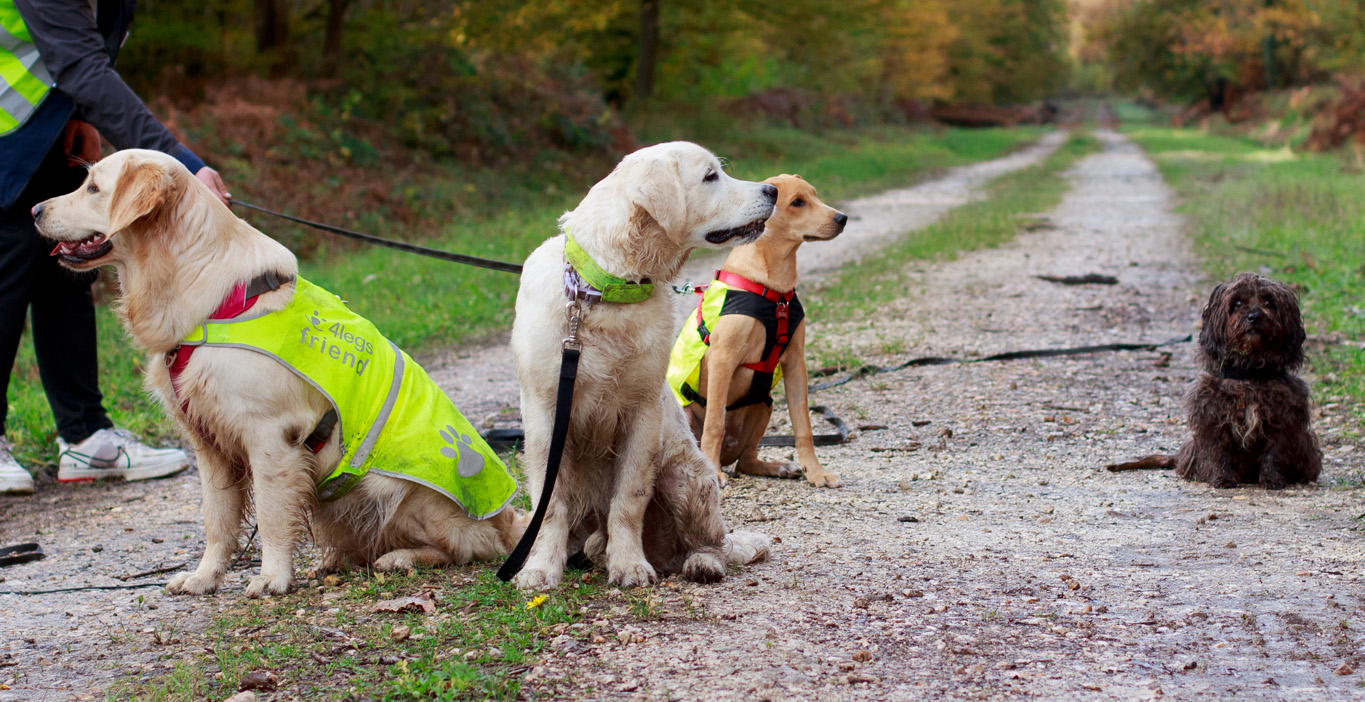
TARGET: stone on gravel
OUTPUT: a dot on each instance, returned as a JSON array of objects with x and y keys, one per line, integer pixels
[{"x": 259, "y": 680}]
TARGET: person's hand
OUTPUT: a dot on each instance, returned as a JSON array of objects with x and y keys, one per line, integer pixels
[
  {"x": 210, "y": 177},
  {"x": 80, "y": 143}
]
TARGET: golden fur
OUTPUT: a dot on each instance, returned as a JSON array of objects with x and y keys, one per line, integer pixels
[
  {"x": 634, "y": 490},
  {"x": 727, "y": 437},
  {"x": 178, "y": 252}
]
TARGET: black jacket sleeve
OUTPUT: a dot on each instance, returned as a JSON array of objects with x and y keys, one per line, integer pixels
[{"x": 71, "y": 47}]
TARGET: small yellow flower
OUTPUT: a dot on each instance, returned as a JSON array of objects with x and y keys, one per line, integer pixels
[{"x": 538, "y": 601}]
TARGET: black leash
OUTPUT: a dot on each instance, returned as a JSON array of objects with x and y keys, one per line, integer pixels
[
  {"x": 839, "y": 437},
  {"x": 870, "y": 370},
  {"x": 399, "y": 245},
  {"x": 568, "y": 372},
  {"x": 84, "y": 588},
  {"x": 515, "y": 439}
]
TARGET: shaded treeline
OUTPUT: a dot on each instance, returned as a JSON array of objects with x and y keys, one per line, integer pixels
[{"x": 481, "y": 80}]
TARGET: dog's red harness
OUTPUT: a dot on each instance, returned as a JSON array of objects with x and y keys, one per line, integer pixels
[
  {"x": 238, "y": 301},
  {"x": 783, "y": 302}
]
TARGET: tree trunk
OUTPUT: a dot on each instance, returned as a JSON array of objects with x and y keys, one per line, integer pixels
[
  {"x": 272, "y": 25},
  {"x": 336, "y": 23},
  {"x": 649, "y": 49}
]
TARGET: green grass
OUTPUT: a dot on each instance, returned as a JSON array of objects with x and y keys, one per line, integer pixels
[
  {"x": 1297, "y": 217},
  {"x": 424, "y": 305},
  {"x": 325, "y": 641},
  {"x": 1012, "y": 203}
]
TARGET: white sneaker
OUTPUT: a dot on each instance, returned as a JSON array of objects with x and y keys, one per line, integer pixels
[
  {"x": 14, "y": 480},
  {"x": 116, "y": 453}
]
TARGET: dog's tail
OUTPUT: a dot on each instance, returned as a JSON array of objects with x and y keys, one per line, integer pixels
[
  {"x": 1156, "y": 461},
  {"x": 744, "y": 547}
]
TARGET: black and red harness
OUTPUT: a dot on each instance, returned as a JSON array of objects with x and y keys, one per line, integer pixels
[
  {"x": 239, "y": 301},
  {"x": 779, "y": 312}
]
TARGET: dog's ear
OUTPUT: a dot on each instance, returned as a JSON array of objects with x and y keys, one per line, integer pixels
[
  {"x": 143, "y": 187},
  {"x": 1289, "y": 346},
  {"x": 659, "y": 196},
  {"x": 1213, "y": 335}
]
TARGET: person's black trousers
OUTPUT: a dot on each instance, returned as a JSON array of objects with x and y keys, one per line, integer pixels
[{"x": 64, "y": 339}]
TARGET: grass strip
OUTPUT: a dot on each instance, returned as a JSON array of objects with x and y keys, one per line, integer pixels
[
  {"x": 1299, "y": 218},
  {"x": 326, "y": 641},
  {"x": 424, "y": 305}
]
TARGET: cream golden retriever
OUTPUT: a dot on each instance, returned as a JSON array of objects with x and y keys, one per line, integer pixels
[
  {"x": 178, "y": 252},
  {"x": 634, "y": 489}
]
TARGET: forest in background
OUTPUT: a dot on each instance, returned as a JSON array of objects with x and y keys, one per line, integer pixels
[{"x": 485, "y": 82}]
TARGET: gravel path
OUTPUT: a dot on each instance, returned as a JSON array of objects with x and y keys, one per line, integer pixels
[
  {"x": 978, "y": 551},
  {"x": 937, "y": 572},
  {"x": 68, "y": 646}
]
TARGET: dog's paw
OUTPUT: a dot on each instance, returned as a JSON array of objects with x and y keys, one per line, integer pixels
[
  {"x": 193, "y": 583},
  {"x": 825, "y": 479},
  {"x": 395, "y": 560},
  {"x": 744, "y": 547},
  {"x": 637, "y": 574},
  {"x": 1273, "y": 483},
  {"x": 722, "y": 478},
  {"x": 536, "y": 579},
  {"x": 263, "y": 585},
  {"x": 1224, "y": 482},
  {"x": 703, "y": 568},
  {"x": 595, "y": 547}
]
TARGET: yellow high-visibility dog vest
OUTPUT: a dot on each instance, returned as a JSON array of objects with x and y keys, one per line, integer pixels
[
  {"x": 24, "y": 80},
  {"x": 723, "y": 296},
  {"x": 394, "y": 419}
]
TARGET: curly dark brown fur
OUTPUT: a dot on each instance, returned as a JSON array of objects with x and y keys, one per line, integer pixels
[{"x": 1248, "y": 411}]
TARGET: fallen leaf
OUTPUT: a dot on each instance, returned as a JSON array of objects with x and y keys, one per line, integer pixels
[
  {"x": 411, "y": 603},
  {"x": 400, "y": 632},
  {"x": 1345, "y": 669},
  {"x": 862, "y": 656}
]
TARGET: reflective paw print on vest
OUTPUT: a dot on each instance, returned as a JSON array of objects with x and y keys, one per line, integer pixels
[{"x": 471, "y": 461}]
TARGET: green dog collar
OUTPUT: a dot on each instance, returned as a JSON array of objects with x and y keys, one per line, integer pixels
[{"x": 613, "y": 289}]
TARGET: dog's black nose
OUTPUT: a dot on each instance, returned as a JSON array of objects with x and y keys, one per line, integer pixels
[
  {"x": 1255, "y": 315},
  {"x": 840, "y": 219},
  {"x": 770, "y": 192},
  {"x": 37, "y": 212}
]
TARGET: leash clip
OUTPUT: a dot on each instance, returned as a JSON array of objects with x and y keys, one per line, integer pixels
[{"x": 574, "y": 310}]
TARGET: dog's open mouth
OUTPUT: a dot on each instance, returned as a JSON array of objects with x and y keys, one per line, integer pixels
[
  {"x": 92, "y": 247},
  {"x": 747, "y": 232}
]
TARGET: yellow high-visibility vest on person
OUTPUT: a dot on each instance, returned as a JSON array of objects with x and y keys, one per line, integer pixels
[{"x": 24, "y": 80}]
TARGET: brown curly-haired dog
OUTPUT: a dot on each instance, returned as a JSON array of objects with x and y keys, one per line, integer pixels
[{"x": 1248, "y": 410}]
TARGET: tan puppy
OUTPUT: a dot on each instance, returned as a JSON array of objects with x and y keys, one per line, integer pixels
[
  {"x": 179, "y": 252},
  {"x": 760, "y": 314}
]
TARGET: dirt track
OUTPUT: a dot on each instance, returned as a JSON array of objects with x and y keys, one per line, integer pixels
[
  {"x": 937, "y": 571},
  {"x": 984, "y": 554}
]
